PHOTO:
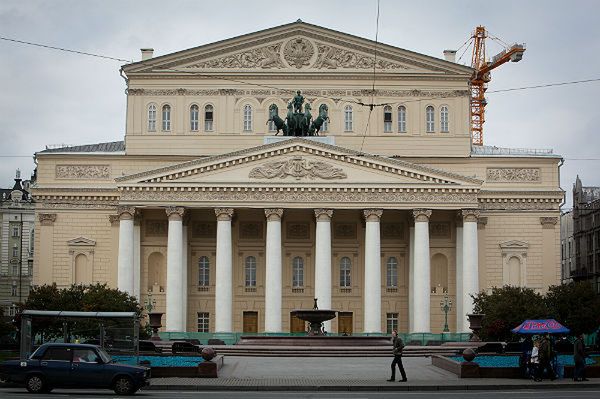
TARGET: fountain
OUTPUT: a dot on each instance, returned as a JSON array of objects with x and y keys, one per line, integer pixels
[{"x": 315, "y": 317}]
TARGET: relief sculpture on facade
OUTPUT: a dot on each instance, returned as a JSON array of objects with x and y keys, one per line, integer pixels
[
  {"x": 82, "y": 171},
  {"x": 299, "y": 168},
  {"x": 333, "y": 58},
  {"x": 264, "y": 57},
  {"x": 513, "y": 174}
]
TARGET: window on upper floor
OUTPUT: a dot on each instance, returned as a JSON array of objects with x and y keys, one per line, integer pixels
[
  {"x": 444, "y": 119},
  {"x": 402, "y": 119},
  {"x": 209, "y": 118},
  {"x": 297, "y": 272},
  {"x": 15, "y": 231},
  {"x": 430, "y": 119},
  {"x": 345, "y": 269},
  {"x": 194, "y": 115},
  {"x": 348, "y": 119},
  {"x": 166, "y": 118},
  {"x": 13, "y": 289},
  {"x": 387, "y": 119},
  {"x": 247, "y": 118},
  {"x": 203, "y": 271},
  {"x": 392, "y": 272},
  {"x": 15, "y": 251},
  {"x": 152, "y": 118},
  {"x": 250, "y": 271}
]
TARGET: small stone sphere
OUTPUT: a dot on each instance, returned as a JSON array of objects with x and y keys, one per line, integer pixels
[
  {"x": 208, "y": 354},
  {"x": 468, "y": 354}
]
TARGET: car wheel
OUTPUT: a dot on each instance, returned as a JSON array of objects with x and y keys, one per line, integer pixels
[
  {"x": 124, "y": 386},
  {"x": 35, "y": 384}
]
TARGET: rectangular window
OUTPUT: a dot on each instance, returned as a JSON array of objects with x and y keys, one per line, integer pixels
[
  {"x": 194, "y": 118},
  {"x": 348, "y": 119},
  {"x": 402, "y": 119},
  {"x": 12, "y": 311},
  {"x": 15, "y": 252},
  {"x": 392, "y": 322},
  {"x": 15, "y": 270},
  {"x": 203, "y": 320},
  {"x": 15, "y": 231},
  {"x": 13, "y": 291},
  {"x": 208, "y": 119},
  {"x": 387, "y": 120}
]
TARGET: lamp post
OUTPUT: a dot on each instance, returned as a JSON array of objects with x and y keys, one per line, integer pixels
[{"x": 446, "y": 305}]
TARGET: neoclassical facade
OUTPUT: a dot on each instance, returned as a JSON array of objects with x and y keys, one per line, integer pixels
[{"x": 229, "y": 227}]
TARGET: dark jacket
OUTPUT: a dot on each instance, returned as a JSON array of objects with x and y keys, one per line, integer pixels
[
  {"x": 398, "y": 346},
  {"x": 579, "y": 351},
  {"x": 545, "y": 350}
]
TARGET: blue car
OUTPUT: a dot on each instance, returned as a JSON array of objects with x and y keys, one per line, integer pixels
[{"x": 74, "y": 366}]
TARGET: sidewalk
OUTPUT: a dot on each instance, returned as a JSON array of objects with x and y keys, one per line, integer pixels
[{"x": 343, "y": 374}]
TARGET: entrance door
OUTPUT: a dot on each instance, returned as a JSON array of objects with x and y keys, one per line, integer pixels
[
  {"x": 297, "y": 325},
  {"x": 250, "y": 322},
  {"x": 344, "y": 323}
]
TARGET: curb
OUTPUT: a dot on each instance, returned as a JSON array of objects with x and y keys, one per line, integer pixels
[{"x": 370, "y": 388}]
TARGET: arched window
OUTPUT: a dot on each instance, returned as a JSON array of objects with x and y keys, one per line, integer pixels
[
  {"x": 402, "y": 119},
  {"x": 166, "y": 118},
  {"x": 151, "y": 118},
  {"x": 430, "y": 119},
  {"x": 297, "y": 272},
  {"x": 250, "y": 271},
  {"x": 345, "y": 266},
  {"x": 444, "y": 119},
  {"x": 247, "y": 118},
  {"x": 439, "y": 274},
  {"x": 203, "y": 271},
  {"x": 194, "y": 114},
  {"x": 209, "y": 118},
  {"x": 392, "y": 272},
  {"x": 348, "y": 118},
  {"x": 387, "y": 119}
]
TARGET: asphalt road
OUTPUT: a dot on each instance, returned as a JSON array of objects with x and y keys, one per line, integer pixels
[{"x": 12, "y": 393}]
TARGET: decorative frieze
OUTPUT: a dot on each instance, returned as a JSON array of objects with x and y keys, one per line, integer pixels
[
  {"x": 521, "y": 204},
  {"x": 344, "y": 231},
  {"x": 298, "y": 231},
  {"x": 439, "y": 230},
  {"x": 224, "y": 214},
  {"x": 513, "y": 175},
  {"x": 251, "y": 230},
  {"x": 299, "y": 168},
  {"x": 47, "y": 219},
  {"x": 82, "y": 172},
  {"x": 156, "y": 228}
]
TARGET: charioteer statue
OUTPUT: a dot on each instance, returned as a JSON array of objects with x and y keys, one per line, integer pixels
[{"x": 298, "y": 123}]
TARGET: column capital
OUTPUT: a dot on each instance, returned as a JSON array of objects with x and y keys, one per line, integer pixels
[
  {"x": 470, "y": 215},
  {"x": 126, "y": 212},
  {"x": 482, "y": 222},
  {"x": 47, "y": 219},
  {"x": 421, "y": 215},
  {"x": 175, "y": 212},
  {"x": 224, "y": 214},
  {"x": 372, "y": 215},
  {"x": 323, "y": 214},
  {"x": 273, "y": 214},
  {"x": 113, "y": 219}
]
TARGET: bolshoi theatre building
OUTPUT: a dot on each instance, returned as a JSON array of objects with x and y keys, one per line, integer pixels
[{"x": 298, "y": 162}]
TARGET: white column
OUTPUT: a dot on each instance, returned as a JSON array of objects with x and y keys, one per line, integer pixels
[
  {"x": 461, "y": 319},
  {"x": 411, "y": 273},
  {"x": 372, "y": 288},
  {"x": 273, "y": 279},
  {"x": 470, "y": 276},
  {"x": 184, "y": 275},
  {"x": 422, "y": 272},
  {"x": 125, "y": 275},
  {"x": 137, "y": 246},
  {"x": 174, "y": 312},
  {"x": 224, "y": 272},
  {"x": 323, "y": 260}
]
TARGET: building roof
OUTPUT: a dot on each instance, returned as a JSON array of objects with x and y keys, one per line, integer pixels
[{"x": 113, "y": 146}]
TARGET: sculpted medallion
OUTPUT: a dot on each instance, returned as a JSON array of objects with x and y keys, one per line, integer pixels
[{"x": 298, "y": 52}]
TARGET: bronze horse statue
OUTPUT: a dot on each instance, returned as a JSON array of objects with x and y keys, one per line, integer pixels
[
  {"x": 274, "y": 117},
  {"x": 317, "y": 124}
]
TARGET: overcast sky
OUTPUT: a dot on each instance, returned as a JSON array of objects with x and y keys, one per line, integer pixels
[{"x": 52, "y": 97}]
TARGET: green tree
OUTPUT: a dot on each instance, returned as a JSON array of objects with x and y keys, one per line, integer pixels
[
  {"x": 86, "y": 298},
  {"x": 505, "y": 308},
  {"x": 575, "y": 305}
]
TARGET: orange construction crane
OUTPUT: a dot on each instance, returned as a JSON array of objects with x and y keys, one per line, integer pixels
[{"x": 481, "y": 77}]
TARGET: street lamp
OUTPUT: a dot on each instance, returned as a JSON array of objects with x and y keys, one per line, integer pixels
[{"x": 446, "y": 305}]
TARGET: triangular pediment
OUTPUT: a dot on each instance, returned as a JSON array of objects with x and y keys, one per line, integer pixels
[
  {"x": 297, "y": 47},
  {"x": 299, "y": 162},
  {"x": 81, "y": 241}
]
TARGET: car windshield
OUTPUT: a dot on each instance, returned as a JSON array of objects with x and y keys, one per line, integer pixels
[{"x": 104, "y": 356}]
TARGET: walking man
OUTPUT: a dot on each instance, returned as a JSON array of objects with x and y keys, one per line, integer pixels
[
  {"x": 579, "y": 358},
  {"x": 546, "y": 355},
  {"x": 398, "y": 346}
]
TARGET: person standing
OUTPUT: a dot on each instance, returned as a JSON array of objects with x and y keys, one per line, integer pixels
[
  {"x": 579, "y": 358},
  {"x": 545, "y": 355},
  {"x": 535, "y": 360},
  {"x": 398, "y": 347}
]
